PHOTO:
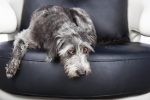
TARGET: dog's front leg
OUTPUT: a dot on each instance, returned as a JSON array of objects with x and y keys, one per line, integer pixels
[
  {"x": 50, "y": 56},
  {"x": 18, "y": 52}
]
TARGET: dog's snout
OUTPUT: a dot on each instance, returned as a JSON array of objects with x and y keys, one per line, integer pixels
[{"x": 81, "y": 72}]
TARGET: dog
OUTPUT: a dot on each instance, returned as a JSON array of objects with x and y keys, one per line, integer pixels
[{"x": 68, "y": 33}]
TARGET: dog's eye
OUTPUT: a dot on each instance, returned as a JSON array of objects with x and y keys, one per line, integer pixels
[
  {"x": 85, "y": 50},
  {"x": 71, "y": 52}
]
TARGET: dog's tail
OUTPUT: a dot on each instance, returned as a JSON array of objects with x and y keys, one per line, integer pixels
[{"x": 20, "y": 48}]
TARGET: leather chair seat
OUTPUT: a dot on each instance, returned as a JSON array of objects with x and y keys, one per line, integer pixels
[{"x": 117, "y": 70}]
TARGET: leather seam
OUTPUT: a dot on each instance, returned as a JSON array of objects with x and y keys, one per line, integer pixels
[{"x": 97, "y": 60}]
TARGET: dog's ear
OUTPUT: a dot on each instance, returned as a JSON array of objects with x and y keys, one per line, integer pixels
[
  {"x": 84, "y": 22},
  {"x": 61, "y": 41},
  {"x": 89, "y": 38}
]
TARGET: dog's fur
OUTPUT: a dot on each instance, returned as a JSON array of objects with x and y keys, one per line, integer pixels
[{"x": 66, "y": 32}]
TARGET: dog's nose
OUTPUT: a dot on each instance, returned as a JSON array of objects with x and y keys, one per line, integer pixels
[{"x": 81, "y": 72}]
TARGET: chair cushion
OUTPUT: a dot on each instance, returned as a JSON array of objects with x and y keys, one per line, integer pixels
[
  {"x": 116, "y": 70},
  {"x": 109, "y": 16}
]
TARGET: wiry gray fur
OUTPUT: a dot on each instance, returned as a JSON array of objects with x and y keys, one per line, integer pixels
[{"x": 58, "y": 30}]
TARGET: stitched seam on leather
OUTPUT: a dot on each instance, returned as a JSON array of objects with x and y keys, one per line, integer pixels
[
  {"x": 113, "y": 60},
  {"x": 97, "y": 60}
]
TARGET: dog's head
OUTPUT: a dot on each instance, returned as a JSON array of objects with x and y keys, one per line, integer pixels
[{"x": 74, "y": 53}]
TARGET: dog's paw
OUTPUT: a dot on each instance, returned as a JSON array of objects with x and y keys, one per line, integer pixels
[
  {"x": 10, "y": 71},
  {"x": 9, "y": 76},
  {"x": 49, "y": 59}
]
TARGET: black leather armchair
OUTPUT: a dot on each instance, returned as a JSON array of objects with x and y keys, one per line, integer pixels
[{"x": 117, "y": 70}]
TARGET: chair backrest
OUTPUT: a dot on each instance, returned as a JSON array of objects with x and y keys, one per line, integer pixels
[{"x": 109, "y": 16}]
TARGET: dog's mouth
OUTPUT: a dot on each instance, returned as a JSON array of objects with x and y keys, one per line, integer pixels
[
  {"x": 81, "y": 72},
  {"x": 76, "y": 72}
]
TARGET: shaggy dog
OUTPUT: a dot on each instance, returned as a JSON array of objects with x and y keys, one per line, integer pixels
[{"x": 65, "y": 32}]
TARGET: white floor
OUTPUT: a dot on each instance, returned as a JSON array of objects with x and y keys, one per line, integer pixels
[{"x": 7, "y": 96}]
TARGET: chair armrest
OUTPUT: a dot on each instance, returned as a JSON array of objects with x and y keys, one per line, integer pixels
[
  {"x": 8, "y": 20},
  {"x": 17, "y": 6},
  {"x": 144, "y": 25}
]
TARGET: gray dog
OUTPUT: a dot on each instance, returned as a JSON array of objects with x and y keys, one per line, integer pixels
[{"x": 66, "y": 32}]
